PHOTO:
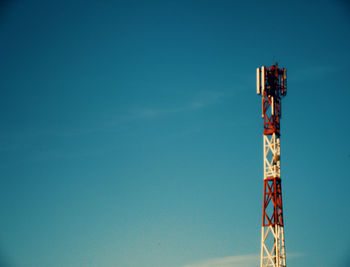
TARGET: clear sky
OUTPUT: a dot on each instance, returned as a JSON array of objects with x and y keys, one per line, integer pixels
[{"x": 131, "y": 132}]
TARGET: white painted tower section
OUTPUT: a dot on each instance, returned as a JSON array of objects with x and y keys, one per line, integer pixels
[{"x": 272, "y": 237}]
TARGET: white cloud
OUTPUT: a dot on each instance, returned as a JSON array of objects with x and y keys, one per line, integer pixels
[
  {"x": 250, "y": 260},
  {"x": 201, "y": 100}
]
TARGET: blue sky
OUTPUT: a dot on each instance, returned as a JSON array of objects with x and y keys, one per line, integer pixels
[{"x": 131, "y": 133}]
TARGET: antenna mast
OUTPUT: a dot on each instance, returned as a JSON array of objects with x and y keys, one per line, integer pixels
[{"x": 271, "y": 84}]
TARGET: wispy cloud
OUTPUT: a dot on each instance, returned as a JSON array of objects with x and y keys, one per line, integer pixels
[
  {"x": 40, "y": 144},
  {"x": 250, "y": 260},
  {"x": 311, "y": 73},
  {"x": 200, "y": 101}
]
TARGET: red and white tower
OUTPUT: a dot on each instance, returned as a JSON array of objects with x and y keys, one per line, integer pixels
[{"x": 272, "y": 85}]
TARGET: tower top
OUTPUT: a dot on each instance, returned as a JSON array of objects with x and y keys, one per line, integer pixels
[
  {"x": 271, "y": 81},
  {"x": 271, "y": 84}
]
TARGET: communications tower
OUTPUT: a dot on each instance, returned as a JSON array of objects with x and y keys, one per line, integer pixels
[{"x": 271, "y": 84}]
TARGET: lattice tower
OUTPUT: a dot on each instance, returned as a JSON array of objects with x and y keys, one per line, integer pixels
[{"x": 272, "y": 85}]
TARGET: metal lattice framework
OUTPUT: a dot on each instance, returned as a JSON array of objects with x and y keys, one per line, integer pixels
[{"x": 271, "y": 85}]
